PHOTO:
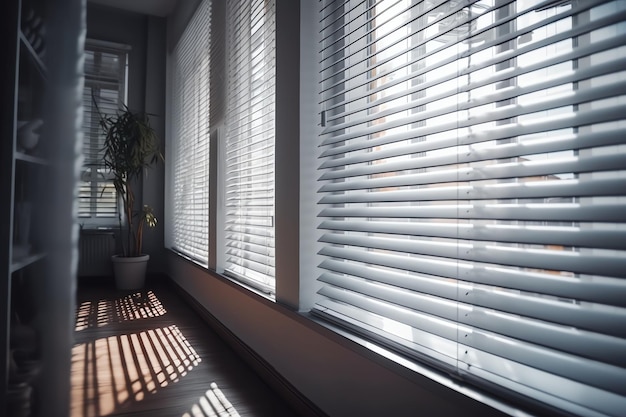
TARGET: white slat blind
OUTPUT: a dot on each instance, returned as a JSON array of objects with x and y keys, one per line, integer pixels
[
  {"x": 249, "y": 233},
  {"x": 105, "y": 90},
  {"x": 473, "y": 189},
  {"x": 189, "y": 153}
]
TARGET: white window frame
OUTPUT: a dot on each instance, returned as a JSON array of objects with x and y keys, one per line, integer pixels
[
  {"x": 188, "y": 145},
  {"x": 249, "y": 234}
]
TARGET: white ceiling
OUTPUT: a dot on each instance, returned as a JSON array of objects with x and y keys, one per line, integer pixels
[{"x": 152, "y": 7}]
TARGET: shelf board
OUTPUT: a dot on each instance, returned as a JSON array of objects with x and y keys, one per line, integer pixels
[
  {"x": 29, "y": 158},
  {"x": 34, "y": 55},
  {"x": 24, "y": 261}
]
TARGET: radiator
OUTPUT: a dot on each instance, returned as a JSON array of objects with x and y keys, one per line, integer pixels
[{"x": 95, "y": 251}]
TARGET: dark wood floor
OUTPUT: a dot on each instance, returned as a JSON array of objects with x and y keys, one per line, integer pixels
[{"x": 149, "y": 354}]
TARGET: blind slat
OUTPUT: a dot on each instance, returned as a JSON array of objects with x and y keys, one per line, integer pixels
[
  {"x": 426, "y": 278},
  {"x": 532, "y": 211},
  {"x": 556, "y": 259},
  {"x": 531, "y": 189},
  {"x": 590, "y": 235}
]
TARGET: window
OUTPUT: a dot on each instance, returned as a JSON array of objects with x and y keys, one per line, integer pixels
[
  {"x": 473, "y": 190},
  {"x": 249, "y": 154},
  {"x": 188, "y": 148},
  {"x": 106, "y": 70}
]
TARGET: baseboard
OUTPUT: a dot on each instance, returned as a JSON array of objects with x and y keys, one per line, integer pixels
[
  {"x": 106, "y": 280},
  {"x": 273, "y": 378}
]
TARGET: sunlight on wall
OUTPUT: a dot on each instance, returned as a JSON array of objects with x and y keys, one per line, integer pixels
[
  {"x": 110, "y": 372},
  {"x": 213, "y": 404},
  {"x": 131, "y": 307}
]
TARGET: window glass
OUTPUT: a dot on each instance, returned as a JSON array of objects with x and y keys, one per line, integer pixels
[{"x": 106, "y": 69}]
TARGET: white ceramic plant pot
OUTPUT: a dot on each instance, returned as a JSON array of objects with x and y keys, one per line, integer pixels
[{"x": 130, "y": 272}]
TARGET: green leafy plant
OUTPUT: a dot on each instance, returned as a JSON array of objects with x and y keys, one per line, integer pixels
[{"x": 130, "y": 147}]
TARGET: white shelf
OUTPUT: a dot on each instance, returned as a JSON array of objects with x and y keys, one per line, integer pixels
[
  {"x": 21, "y": 156},
  {"x": 24, "y": 261},
  {"x": 41, "y": 67}
]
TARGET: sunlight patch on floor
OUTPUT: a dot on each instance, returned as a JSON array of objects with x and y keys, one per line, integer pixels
[
  {"x": 213, "y": 404},
  {"x": 135, "y": 306},
  {"x": 108, "y": 373}
]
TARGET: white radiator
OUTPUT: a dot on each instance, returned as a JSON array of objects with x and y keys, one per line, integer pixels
[{"x": 95, "y": 251}]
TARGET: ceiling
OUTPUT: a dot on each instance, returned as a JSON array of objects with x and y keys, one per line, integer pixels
[{"x": 159, "y": 8}]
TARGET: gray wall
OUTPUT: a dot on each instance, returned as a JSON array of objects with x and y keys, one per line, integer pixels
[
  {"x": 113, "y": 25},
  {"x": 146, "y": 36}
]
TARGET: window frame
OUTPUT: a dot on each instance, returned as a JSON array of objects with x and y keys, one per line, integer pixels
[
  {"x": 188, "y": 195},
  {"x": 248, "y": 253},
  {"x": 92, "y": 171}
]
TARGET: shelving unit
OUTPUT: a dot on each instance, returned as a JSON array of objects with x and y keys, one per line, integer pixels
[
  {"x": 23, "y": 166},
  {"x": 38, "y": 180}
]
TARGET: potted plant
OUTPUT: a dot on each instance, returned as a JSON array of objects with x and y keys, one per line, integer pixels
[{"x": 130, "y": 147}]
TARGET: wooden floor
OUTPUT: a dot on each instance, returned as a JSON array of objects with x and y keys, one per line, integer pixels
[{"x": 148, "y": 354}]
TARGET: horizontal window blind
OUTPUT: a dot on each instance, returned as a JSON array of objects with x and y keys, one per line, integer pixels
[
  {"x": 473, "y": 190},
  {"x": 189, "y": 154},
  {"x": 104, "y": 94},
  {"x": 249, "y": 212}
]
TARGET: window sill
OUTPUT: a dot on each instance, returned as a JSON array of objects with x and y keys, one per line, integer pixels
[
  {"x": 409, "y": 369},
  {"x": 94, "y": 228},
  {"x": 226, "y": 278}
]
